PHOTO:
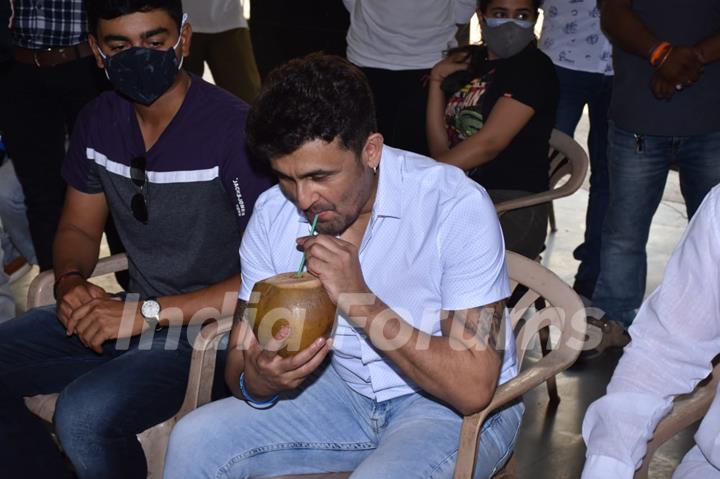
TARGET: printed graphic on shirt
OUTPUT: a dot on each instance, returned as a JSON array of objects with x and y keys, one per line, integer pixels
[
  {"x": 463, "y": 113},
  {"x": 572, "y": 38}
]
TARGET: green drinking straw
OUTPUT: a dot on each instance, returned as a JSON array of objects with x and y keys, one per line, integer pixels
[{"x": 312, "y": 232}]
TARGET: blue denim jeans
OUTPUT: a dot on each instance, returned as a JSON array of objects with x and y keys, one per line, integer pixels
[
  {"x": 15, "y": 238},
  {"x": 577, "y": 89},
  {"x": 639, "y": 166},
  {"x": 105, "y": 400},
  {"x": 7, "y": 301},
  {"x": 324, "y": 427}
]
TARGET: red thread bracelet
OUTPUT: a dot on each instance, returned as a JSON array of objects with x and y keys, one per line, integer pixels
[{"x": 62, "y": 277}]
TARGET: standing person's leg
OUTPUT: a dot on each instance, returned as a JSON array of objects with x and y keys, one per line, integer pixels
[
  {"x": 387, "y": 102},
  {"x": 13, "y": 213},
  {"x": 232, "y": 63},
  {"x": 638, "y": 169},
  {"x": 419, "y": 439},
  {"x": 322, "y": 427},
  {"x": 589, "y": 252},
  {"x": 574, "y": 95},
  {"x": 410, "y": 86},
  {"x": 35, "y": 139},
  {"x": 699, "y": 161},
  {"x": 195, "y": 63}
]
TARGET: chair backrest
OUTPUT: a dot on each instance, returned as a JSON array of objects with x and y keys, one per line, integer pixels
[
  {"x": 567, "y": 160},
  {"x": 563, "y": 312}
]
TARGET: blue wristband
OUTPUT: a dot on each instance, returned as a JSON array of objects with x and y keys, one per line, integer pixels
[{"x": 252, "y": 401}]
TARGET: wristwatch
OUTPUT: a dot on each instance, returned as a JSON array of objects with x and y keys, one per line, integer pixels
[{"x": 150, "y": 311}]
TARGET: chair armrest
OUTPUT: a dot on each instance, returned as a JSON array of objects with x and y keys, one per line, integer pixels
[
  {"x": 40, "y": 292},
  {"x": 202, "y": 364},
  {"x": 555, "y": 362},
  {"x": 687, "y": 410},
  {"x": 529, "y": 200}
]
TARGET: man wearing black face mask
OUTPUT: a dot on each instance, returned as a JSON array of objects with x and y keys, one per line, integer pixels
[{"x": 165, "y": 153}]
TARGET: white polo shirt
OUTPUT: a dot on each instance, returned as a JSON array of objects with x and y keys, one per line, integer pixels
[
  {"x": 433, "y": 243},
  {"x": 215, "y": 16},
  {"x": 403, "y": 34}
]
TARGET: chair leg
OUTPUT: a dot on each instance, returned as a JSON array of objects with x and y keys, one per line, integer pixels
[
  {"x": 551, "y": 217},
  {"x": 553, "y": 396},
  {"x": 544, "y": 334}
]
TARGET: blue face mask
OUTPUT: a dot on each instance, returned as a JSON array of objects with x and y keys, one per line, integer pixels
[
  {"x": 507, "y": 36},
  {"x": 143, "y": 74}
]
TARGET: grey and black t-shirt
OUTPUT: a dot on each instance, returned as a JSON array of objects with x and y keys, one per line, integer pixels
[{"x": 200, "y": 187}]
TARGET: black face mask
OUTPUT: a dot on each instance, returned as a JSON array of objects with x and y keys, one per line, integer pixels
[{"x": 142, "y": 74}]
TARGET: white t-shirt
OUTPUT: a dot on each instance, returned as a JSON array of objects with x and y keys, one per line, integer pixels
[
  {"x": 403, "y": 34},
  {"x": 433, "y": 243},
  {"x": 215, "y": 16},
  {"x": 572, "y": 38}
]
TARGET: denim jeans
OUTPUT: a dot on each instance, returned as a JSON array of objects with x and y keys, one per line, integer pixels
[
  {"x": 639, "y": 166},
  {"x": 105, "y": 400},
  {"x": 325, "y": 426},
  {"x": 7, "y": 301},
  {"x": 16, "y": 240},
  {"x": 577, "y": 89}
]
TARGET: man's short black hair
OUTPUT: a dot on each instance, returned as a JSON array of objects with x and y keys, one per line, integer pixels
[
  {"x": 484, "y": 4},
  {"x": 316, "y": 97},
  {"x": 108, "y": 9}
]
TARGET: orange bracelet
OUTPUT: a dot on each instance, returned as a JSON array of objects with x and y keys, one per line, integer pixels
[{"x": 660, "y": 53}]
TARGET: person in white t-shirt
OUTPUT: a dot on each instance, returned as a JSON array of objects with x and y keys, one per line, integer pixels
[
  {"x": 414, "y": 348},
  {"x": 222, "y": 39},
  {"x": 396, "y": 43}
]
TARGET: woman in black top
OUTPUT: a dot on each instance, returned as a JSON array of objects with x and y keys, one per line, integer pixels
[{"x": 491, "y": 110}]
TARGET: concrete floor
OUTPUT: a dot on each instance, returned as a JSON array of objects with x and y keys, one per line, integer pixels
[{"x": 550, "y": 445}]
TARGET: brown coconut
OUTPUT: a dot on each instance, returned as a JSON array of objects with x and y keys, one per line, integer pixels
[{"x": 301, "y": 303}]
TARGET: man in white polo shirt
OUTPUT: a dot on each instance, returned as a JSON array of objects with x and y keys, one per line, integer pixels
[{"x": 415, "y": 349}]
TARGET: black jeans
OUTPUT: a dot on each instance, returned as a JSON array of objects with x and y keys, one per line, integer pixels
[
  {"x": 39, "y": 109},
  {"x": 401, "y": 102}
]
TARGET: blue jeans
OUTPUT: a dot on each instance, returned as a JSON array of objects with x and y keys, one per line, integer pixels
[
  {"x": 16, "y": 240},
  {"x": 639, "y": 166},
  {"x": 105, "y": 400},
  {"x": 577, "y": 89},
  {"x": 7, "y": 301},
  {"x": 324, "y": 427}
]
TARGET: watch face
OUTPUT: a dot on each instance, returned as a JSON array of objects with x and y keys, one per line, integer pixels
[{"x": 150, "y": 309}]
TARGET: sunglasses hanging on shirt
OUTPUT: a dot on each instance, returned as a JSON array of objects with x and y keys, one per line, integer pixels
[{"x": 138, "y": 175}]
